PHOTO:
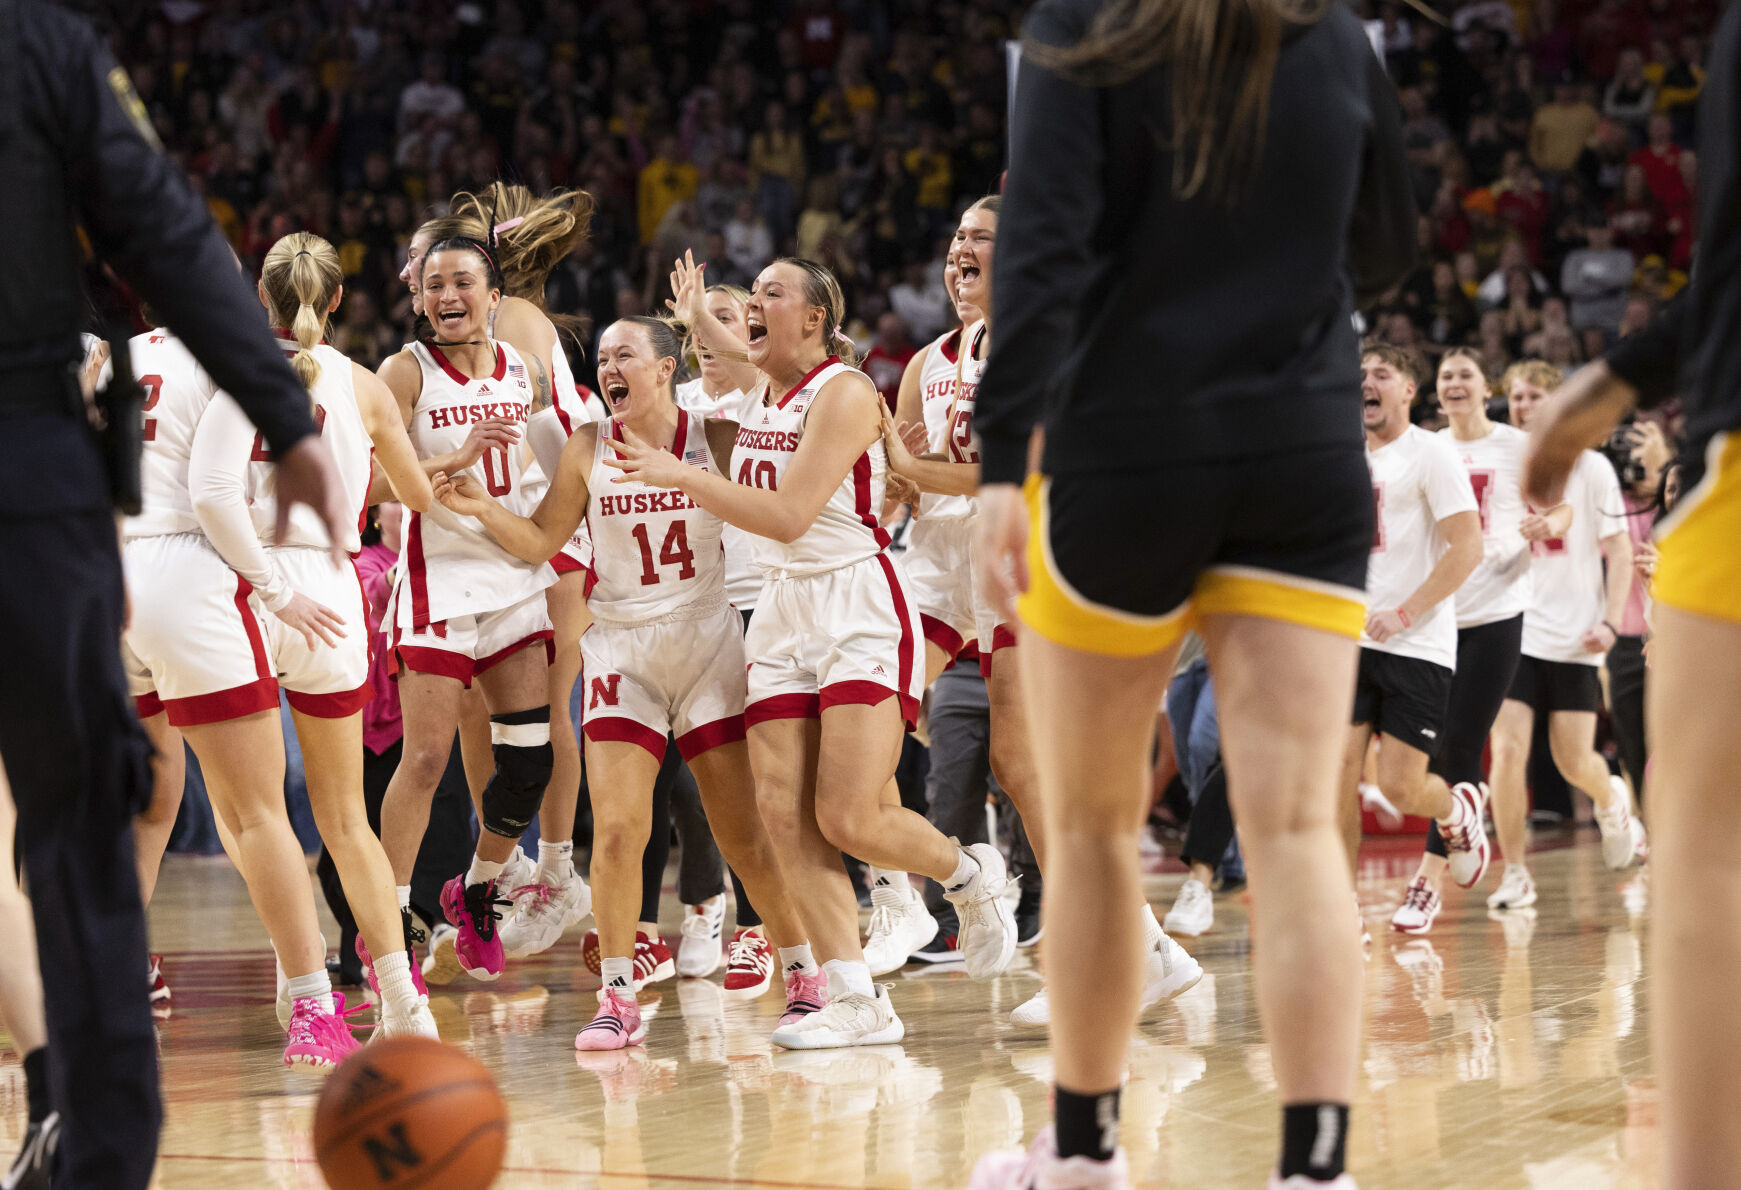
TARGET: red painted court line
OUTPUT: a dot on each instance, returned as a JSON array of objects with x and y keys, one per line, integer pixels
[{"x": 648, "y": 1176}]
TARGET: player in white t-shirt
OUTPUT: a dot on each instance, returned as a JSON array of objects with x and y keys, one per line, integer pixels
[
  {"x": 1427, "y": 541},
  {"x": 664, "y": 655},
  {"x": 464, "y": 608},
  {"x": 320, "y": 658},
  {"x": 1489, "y": 605},
  {"x": 1582, "y": 578},
  {"x": 835, "y": 669},
  {"x": 947, "y": 473}
]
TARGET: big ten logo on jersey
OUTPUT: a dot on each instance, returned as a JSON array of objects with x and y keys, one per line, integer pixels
[
  {"x": 602, "y": 692},
  {"x": 260, "y": 454}
]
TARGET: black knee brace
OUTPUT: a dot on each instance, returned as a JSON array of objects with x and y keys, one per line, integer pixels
[{"x": 524, "y": 758}]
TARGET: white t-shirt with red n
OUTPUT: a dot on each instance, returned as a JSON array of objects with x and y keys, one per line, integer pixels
[
  {"x": 1570, "y": 592},
  {"x": 1500, "y": 586},
  {"x": 1417, "y": 481}
]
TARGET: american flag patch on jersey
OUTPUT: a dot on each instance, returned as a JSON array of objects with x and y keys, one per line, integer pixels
[
  {"x": 516, "y": 370},
  {"x": 696, "y": 456}
]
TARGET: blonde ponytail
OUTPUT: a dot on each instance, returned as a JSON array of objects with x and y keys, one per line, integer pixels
[{"x": 301, "y": 275}]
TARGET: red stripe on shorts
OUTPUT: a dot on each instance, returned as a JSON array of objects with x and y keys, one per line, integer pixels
[
  {"x": 262, "y": 663},
  {"x": 617, "y": 730}
]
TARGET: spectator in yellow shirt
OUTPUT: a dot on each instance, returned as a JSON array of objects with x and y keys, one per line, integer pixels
[
  {"x": 664, "y": 181},
  {"x": 1561, "y": 129}
]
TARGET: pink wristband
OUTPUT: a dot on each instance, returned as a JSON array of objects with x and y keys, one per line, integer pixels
[{"x": 1404, "y": 617}]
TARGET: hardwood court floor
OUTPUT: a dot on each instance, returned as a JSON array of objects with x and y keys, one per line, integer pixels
[{"x": 1496, "y": 1055}]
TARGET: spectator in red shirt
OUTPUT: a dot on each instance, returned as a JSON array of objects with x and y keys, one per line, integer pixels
[
  {"x": 1636, "y": 216},
  {"x": 1661, "y": 159},
  {"x": 887, "y": 361},
  {"x": 1678, "y": 216},
  {"x": 1522, "y": 204}
]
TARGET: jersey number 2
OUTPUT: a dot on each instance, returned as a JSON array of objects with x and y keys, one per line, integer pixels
[
  {"x": 153, "y": 386},
  {"x": 674, "y": 552},
  {"x": 261, "y": 455}
]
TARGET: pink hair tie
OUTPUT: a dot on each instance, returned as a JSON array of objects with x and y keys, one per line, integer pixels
[
  {"x": 509, "y": 225},
  {"x": 841, "y": 335}
]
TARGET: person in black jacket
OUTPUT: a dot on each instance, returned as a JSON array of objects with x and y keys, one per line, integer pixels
[
  {"x": 1199, "y": 194},
  {"x": 76, "y": 152}
]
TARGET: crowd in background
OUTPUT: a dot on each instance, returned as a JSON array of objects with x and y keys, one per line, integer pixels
[{"x": 1550, "y": 144}]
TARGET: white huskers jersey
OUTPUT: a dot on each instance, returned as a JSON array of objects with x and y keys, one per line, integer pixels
[
  {"x": 1417, "y": 481},
  {"x": 847, "y": 529},
  {"x": 342, "y": 429},
  {"x": 1500, "y": 587},
  {"x": 1570, "y": 595},
  {"x": 656, "y": 553},
  {"x": 949, "y": 418},
  {"x": 452, "y": 566},
  {"x": 177, "y": 392}
]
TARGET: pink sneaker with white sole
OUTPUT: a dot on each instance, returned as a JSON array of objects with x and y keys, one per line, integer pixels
[
  {"x": 474, "y": 910},
  {"x": 317, "y": 1038},
  {"x": 375, "y": 984},
  {"x": 617, "y": 1025},
  {"x": 805, "y": 994},
  {"x": 1041, "y": 1166}
]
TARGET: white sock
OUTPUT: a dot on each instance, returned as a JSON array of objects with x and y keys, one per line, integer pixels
[
  {"x": 846, "y": 978},
  {"x": 618, "y": 974},
  {"x": 1152, "y": 932},
  {"x": 482, "y": 871},
  {"x": 797, "y": 958},
  {"x": 555, "y": 860},
  {"x": 1522, "y": 869},
  {"x": 966, "y": 868},
  {"x": 317, "y": 986},
  {"x": 404, "y": 891},
  {"x": 398, "y": 993}
]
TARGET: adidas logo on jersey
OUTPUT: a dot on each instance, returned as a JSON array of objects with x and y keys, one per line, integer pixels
[{"x": 877, "y": 669}]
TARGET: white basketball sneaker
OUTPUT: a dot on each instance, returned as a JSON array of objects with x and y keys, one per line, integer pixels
[
  {"x": 852, "y": 1019},
  {"x": 899, "y": 924},
  {"x": 699, "y": 954},
  {"x": 987, "y": 936}
]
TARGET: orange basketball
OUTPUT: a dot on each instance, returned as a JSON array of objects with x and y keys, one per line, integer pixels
[{"x": 408, "y": 1112}]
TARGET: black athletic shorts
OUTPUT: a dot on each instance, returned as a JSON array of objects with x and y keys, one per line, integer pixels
[
  {"x": 1120, "y": 562},
  {"x": 1556, "y": 685},
  {"x": 1403, "y": 697}
]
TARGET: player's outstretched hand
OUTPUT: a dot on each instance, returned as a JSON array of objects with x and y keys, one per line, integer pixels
[
  {"x": 306, "y": 474},
  {"x": 317, "y": 623},
  {"x": 1002, "y": 558},
  {"x": 688, "y": 290},
  {"x": 460, "y": 494},
  {"x": 640, "y": 462}
]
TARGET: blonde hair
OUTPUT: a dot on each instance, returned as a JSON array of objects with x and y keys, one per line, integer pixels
[
  {"x": 1531, "y": 371},
  {"x": 690, "y": 349},
  {"x": 301, "y": 275},
  {"x": 1221, "y": 58},
  {"x": 821, "y": 289}
]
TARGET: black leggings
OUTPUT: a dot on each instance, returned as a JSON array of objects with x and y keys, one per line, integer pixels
[
  {"x": 1210, "y": 830},
  {"x": 1626, "y": 679},
  {"x": 1486, "y": 663}
]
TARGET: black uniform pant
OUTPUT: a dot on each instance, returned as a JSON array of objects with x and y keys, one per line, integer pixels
[
  {"x": 1487, "y": 657},
  {"x": 79, "y": 767},
  {"x": 1626, "y": 677}
]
